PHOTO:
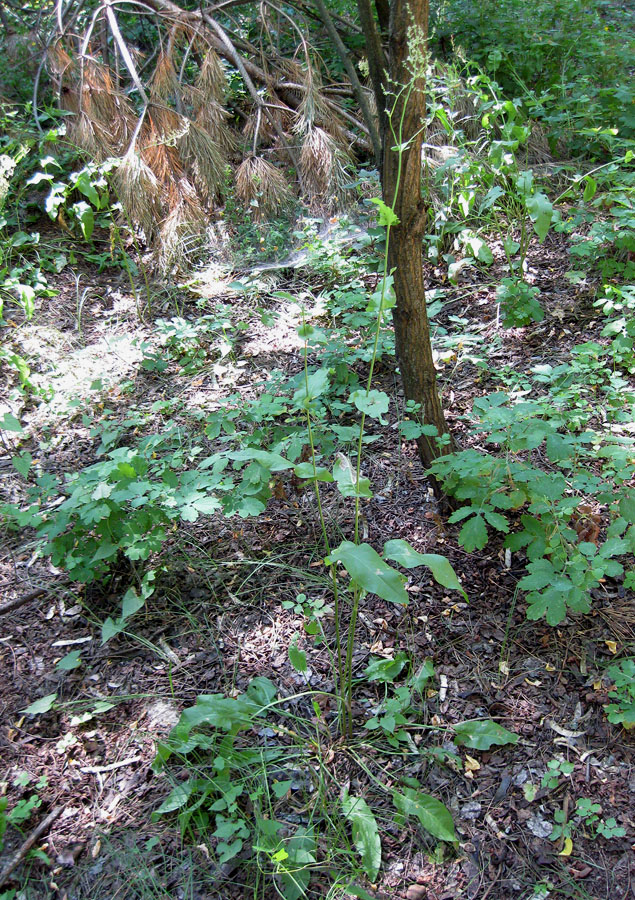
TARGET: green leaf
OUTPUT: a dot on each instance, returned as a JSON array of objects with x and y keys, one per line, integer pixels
[
  {"x": 314, "y": 386},
  {"x": 418, "y": 681},
  {"x": 385, "y": 670},
  {"x": 22, "y": 463},
  {"x": 373, "y": 403},
  {"x": 481, "y": 734},
  {"x": 86, "y": 218},
  {"x": 110, "y": 628},
  {"x": 297, "y": 657},
  {"x": 627, "y": 508},
  {"x": 131, "y": 603},
  {"x": 70, "y": 661},
  {"x": 433, "y": 816},
  {"x": 10, "y": 423},
  {"x": 345, "y": 476},
  {"x": 401, "y": 552},
  {"x": 473, "y": 535},
  {"x": 370, "y": 572},
  {"x": 590, "y": 187},
  {"x": 87, "y": 188},
  {"x": 305, "y": 470},
  {"x": 497, "y": 521},
  {"x": 272, "y": 461},
  {"x": 280, "y": 788},
  {"x": 40, "y": 706},
  {"x": 365, "y": 833},
  {"x": 540, "y": 211},
  {"x": 385, "y": 215}
]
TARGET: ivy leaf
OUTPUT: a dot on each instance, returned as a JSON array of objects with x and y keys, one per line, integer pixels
[
  {"x": 370, "y": 572},
  {"x": 373, "y": 403},
  {"x": 365, "y": 833},
  {"x": 481, "y": 734},
  {"x": 433, "y": 816},
  {"x": 401, "y": 552},
  {"x": 473, "y": 535}
]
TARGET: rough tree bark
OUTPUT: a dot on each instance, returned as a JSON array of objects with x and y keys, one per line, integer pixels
[{"x": 401, "y": 188}]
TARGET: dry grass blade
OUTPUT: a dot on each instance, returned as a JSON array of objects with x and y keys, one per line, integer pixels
[{"x": 261, "y": 187}]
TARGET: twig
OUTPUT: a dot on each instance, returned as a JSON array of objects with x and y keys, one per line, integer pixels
[
  {"x": 98, "y": 770},
  {"x": 19, "y": 855},
  {"x": 26, "y": 598}
]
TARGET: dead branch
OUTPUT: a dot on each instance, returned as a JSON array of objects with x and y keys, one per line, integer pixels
[{"x": 24, "y": 848}]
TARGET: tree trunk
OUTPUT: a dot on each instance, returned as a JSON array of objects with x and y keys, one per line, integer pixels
[{"x": 401, "y": 186}]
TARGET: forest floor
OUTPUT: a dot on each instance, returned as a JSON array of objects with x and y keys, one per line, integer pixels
[{"x": 216, "y": 621}]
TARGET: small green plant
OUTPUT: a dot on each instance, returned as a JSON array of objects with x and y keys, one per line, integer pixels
[
  {"x": 556, "y": 769},
  {"x": 22, "y": 809},
  {"x": 555, "y": 526},
  {"x": 621, "y": 711}
]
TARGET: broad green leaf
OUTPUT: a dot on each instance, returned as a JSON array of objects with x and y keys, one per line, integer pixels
[
  {"x": 433, "y": 816},
  {"x": 386, "y": 670},
  {"x": 540, "y": 211},
  {"x": 22, "y": 463},
  {"x": 110, "y": 628},
  {"x": 305, "y": 470},
  {"x": 627, "y": 507},
  {"x": 297, "y": 658},
  {"x": 401, "y": 552},
  {"x": 385, "y": 215},
  {"x": 272, "y": 461},
  {"x": 87, "y": 188},
  {"x": 550, "y": 604},
  {"x": 314, "y": 386},
  {"x": 422, "y": 676},
  {"x": 86, "y": 218},
  {"x": 497, "y": 521},
  {"x": 373, "y": 403},
  {"x": 207, "y": 505},
  {"x": 280, "y": 788},
  {"x": 10, "y": 423},
  {"x": 344, "y": 475},
  {"x": 178, "y": 797},
  {"x": 590, "y": 187},
  {"x": 365, "y": 833},
  {"x": 473, "y": 535},
  {"x": 131, "y": 603},
  {"x": 40, "y": 706},
  {"x": 370, "y": 572},
  {"x": 481, "y": 734},
  {"x": 70, "y": 661}
]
